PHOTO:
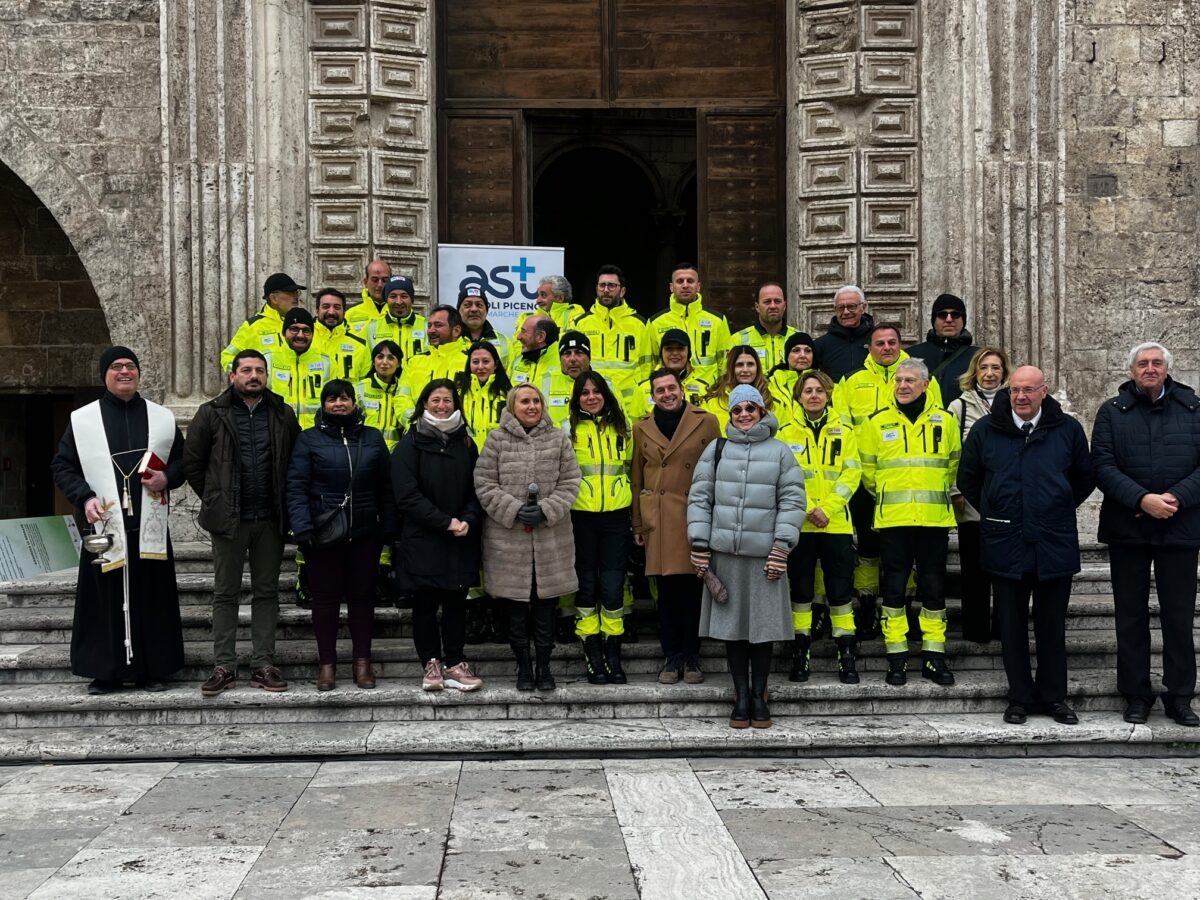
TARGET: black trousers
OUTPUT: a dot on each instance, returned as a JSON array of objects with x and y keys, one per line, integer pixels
[
  {"x": 902, "y": 547},
  {"x": 601, "y": 552},
  {"x": 976, "y": 587},
  {"x": 1175, "y": 580},
  {"x": 679, "y": 614},
  {"x": 862, "y": 515},
  {"x": 541, "y": 612},
  {"x": 1050, "y": 600},
  {"x": 444, "y": 642},
  {"x": 836, "y": 555}
]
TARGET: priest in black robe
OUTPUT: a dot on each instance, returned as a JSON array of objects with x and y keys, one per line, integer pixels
[{"x": 145, "y": 453}]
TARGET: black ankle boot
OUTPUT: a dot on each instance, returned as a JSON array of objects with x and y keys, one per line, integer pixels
[
  {"x": 524, "y": 668},
  {"x": 593, "y": 658},
  {"x": 801, "y": 666},
  {"x": 933, "y": 667},
  {"x": 897, "y": 672},
  {"x": 738, "y": 654},
  {"x": 847, "y": 651},
  {"x": 474, "y": 633},
  {"x": 760, "y": 671},
  {"x": 545, "y": 681},
  {"x": 612, "y": 659}
]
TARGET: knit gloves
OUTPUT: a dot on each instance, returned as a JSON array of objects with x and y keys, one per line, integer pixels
[{"x": 776, "y": 566}]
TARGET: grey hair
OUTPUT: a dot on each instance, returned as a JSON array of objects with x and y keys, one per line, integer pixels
[
  {"x": 850, "y": 289},
  {"x": 1149, "y": 345},
  {"x": 917, "y": 364},
  {"x": 558, "y": 284}
]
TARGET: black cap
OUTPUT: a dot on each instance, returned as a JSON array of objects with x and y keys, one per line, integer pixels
[
  {"x": 472, "y": 291},
  {"x": 280, "y": 281},
  {"x": 676, "y": 336},
  {"x": 112, "y": 354},
  {"x": 948, "y": 301},
  {"x": 795, "y": 340},
  {"x": 574, "y": 340},
  {"x": 297, "y": 316}
]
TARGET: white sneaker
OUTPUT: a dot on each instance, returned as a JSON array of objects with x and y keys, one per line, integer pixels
[
  {"x": 461, "y": 677},
  {"x": 432, "y": 680}
]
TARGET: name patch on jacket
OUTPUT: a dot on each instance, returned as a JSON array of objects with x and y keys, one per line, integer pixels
[{"x": 890, "y": 434}]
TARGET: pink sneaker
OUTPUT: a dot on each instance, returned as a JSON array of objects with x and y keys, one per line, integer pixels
[
  {"x": 432, "y": 681},
  {"x": 461, "y": 677}
]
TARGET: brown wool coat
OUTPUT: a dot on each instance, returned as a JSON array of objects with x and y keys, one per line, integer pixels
[
  {"x": 511, "y": 459},
  {"x": 661, "y": 479}
]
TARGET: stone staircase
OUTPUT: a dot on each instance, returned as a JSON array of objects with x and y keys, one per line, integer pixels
[{"x": 46, "y": 714}]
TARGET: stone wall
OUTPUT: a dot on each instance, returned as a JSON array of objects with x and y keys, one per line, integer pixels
[
  {"x": 80, "y": 126},
  {"x": 1133, "y": 192},
  {"x": 52, "y": 329}
]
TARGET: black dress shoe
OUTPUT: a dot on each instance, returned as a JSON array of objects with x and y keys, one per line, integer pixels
[
  {"x": 1016, "y": 714},
  {"x": 1181, "y": 712},
  {"x": 1137, "y": 711},
  {"x": 99, "y": 687},
  {"x": 1061, "y": 713},
  {"x": 153, "y": 685}
]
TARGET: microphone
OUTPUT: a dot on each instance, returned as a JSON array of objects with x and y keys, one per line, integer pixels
[{"x": 531, "y": 497}]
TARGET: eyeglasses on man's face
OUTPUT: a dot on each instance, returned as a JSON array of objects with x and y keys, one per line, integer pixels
[{"x": 1026, "y": 391}]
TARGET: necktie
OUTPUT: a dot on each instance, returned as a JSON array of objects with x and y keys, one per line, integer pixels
[{"x": 1027, "y": 429}]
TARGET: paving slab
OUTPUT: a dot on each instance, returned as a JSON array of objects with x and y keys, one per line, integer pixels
[
  {"x": 198, "y": 873},
  {"x": 380, "y": 772},
  {"x": 553, "y": 793},
  {"x": 220, "y": 800},
  {"x": 562, "y": 875},
  {"x": 41, "y": 848},
  {"x": 782, "y": 785},
  {"x": 1176, "y": 824},
  {"x": 831, "y": 879},
  {"x": 20, "y": 883},
  {"x": 362, "y": 806}
]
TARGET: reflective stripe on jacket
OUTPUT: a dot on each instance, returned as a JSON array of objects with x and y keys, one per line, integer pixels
[
  {"x": 769, "y": 347},
  {"x": 861, "y": 394},
  {"x": 708, "y": 332},
  {"x": 298, "y": 379},
  {"x": 910, "y": 466},
  {"x": 618, "y": 339},
  {"x": 831, "y": 468},
  {"x": 384, "y": 407},
  {"x": 604, "y": 457},
  {"x": 262, "y": 332}
]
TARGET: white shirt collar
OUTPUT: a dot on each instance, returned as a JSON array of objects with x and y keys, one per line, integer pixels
[{"x": 1019, "y": 422}]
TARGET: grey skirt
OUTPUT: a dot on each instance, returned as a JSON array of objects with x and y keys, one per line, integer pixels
[{"x": 758, "y": 610}]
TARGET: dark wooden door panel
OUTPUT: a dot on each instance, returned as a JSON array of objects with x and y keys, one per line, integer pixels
[
  {"x": 512, "y": 50},
  {"x": 483, "y": 181},
  {"x": 741, "y": 202}
]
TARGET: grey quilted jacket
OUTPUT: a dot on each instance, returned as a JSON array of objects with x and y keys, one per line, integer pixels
[{"x": 753, "y": 500}]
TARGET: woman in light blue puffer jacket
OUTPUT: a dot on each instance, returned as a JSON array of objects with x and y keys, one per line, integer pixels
[{"x": 745, "y": 509}]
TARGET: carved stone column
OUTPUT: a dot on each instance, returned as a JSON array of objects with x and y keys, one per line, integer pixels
[{"x": 854, "y": 83}]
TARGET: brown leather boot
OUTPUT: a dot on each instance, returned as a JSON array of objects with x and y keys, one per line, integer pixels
[
  {"x": 364, "y": 676},
  {"x": 327, "y": 677}
]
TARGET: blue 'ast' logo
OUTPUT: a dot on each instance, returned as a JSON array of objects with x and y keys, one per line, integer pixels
[{"x": 498, "y": 283}]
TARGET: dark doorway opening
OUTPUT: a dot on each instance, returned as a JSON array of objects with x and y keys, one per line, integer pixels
[{"x": 616, "y": 187}]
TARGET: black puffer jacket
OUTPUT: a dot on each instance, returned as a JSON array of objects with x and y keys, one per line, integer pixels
[
  {"x": 1142, "y": 447},
  {"x": 214, "y": 459},
  {"x": 319, "y": 475},
  {"x": 842, "y": 350},
  {"x": 433, "y": 481},
  {"x": 1027, "y": 491},
  {"x": 934, "y": 351}
]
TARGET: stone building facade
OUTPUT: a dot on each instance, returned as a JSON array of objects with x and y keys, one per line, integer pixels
[{"x": 1037, "y": 157}]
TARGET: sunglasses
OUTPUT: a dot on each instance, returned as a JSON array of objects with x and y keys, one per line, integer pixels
[
  {"x": 743, "y": 409},
  {"x": 949, "y": 314}
]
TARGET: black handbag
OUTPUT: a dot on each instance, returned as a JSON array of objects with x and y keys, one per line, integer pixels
[{"x": 332, "y": 527}]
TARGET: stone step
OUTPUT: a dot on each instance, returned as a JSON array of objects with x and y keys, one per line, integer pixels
[
  {"x": 396, "y": 658},
  {"x": 67, "y": 705},
  {"x": 1101, "y": 733}
]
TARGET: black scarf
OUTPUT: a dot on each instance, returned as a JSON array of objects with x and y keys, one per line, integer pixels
[
  {"x": 668, "y": 422},
  {"x": 913, "y": 409}
]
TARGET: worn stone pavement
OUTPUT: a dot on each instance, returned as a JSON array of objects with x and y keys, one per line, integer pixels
[{"x": 557, "y": 829}]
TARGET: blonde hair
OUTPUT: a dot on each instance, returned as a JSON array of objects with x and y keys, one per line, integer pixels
[
  {"x": 511, "y": 399},
  {"x": 825, "y": 381},
  {"x": 970, "y": 378},
  {"x": 727, "y": 382}
]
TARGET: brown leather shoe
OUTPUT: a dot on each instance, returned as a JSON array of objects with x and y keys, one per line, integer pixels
[
  {"x": 220, "y": 679},
  {"x": 269, "y": 679},
  {"x": 364, "y": 677},
  {"x": 327, "y": 677}
]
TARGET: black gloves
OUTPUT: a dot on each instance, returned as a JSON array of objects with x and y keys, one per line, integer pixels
[{"x": 530, "y": 515}]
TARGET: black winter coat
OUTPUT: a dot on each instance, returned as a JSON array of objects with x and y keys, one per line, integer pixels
[
  {"x": 841, "y": 350},
  {"x": 1027, "y": 491},
  {"x": 433, "y": 481},
  {"x": 935, "y": 351},
  {"x": 1141, "y": 447},
  {"x": 213, "y": 457},
  {"x": 319, "y": 476}
]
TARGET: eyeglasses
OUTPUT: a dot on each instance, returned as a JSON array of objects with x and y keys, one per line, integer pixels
[
  {"x": 299, "y": 330},
  {"x": 949, "y": 314},
  {"x": 742, "y": 409},
  {"x": 1026, "y": 392},
  {"x": 847, "y": 307},
  {"x": 123, "y": 367},
  {"x": 608, "y": 286}
]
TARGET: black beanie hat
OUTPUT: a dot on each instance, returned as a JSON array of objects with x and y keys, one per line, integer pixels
[
  {"x": 795, "y": 340},
  {"x": 948, "y": 301},
  {"x": 297, "y": 316},
  {"x": 112, "y": 354},
  {"x": 574, "y": 340}
]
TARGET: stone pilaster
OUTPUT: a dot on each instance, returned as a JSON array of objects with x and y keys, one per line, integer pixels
[
  {"x": 370, "y": 141},
  {"x": 855, "y": 83}
]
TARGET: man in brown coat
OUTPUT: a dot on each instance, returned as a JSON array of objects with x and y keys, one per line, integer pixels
[{"x": 666, "y": 445}]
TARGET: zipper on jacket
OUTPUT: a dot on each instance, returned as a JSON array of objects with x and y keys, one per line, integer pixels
[{"x": 350, "y": 486}]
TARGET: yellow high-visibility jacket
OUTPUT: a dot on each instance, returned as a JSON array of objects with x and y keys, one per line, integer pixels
[
  {"x": 861, "y": 394},
  {"x": 618, "y": 339},
  {"x": 409, "y": 334},
  {"x": 708, "y": 332},
  {"x": 262, "y": 332},
  {"x": 346, "y": 350},
  {"x": 444, "y": 361},
  {"x": 481, "y": 409},
  {"x": 910, "y": 467},
  {"x": 522, "y": 371},
  {"x": 563, "y": 315},
  {"x": 502, "y": 342},
  {"x": 769, "y": 347},
  {"x": 360, "y": 313},
  {"x": 831, "y": 468},
  {"x": 298, "y": 379},
  {"x": 604, "y": 458},
  {"x": 384, "y": 407},
  {"x": 642, "y": 402}
]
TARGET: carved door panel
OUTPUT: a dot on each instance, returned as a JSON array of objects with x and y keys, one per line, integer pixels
[
  {"x": 483, "y": 184},
  {"x": 741, "y": 206}
]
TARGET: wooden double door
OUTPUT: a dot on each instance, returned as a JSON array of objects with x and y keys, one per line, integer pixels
[{"x": 503, "y": 61}]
